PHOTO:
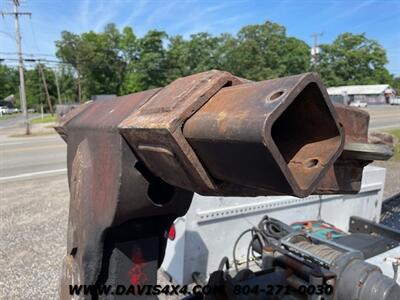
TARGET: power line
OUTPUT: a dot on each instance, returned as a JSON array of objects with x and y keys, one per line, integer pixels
[
  {"x": 30, "y": 65},
  {"x": 29, "y": 54},
  {"x": 34, "y": 60},
  {"x": 7, "y": 34}
]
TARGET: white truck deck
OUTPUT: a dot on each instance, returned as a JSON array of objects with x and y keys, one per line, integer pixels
[{"x": 209, "y": 229}]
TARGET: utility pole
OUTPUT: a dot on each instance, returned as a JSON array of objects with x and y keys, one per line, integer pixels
[
  {"x": 22, "y": 93},
  {"x": 58, "y": 87},
  {"x": 315, "y": 49},
  {"x": 79, "y": 88},
  {"x": 46, "y": 90}
]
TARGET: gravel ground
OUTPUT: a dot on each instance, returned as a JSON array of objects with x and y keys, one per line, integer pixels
[
  {"x": 33, "y": 244},
  {"x": 33, "y": 217},
  {"x": 392, "y": 181},
  {"x": 33, "y": 226}
]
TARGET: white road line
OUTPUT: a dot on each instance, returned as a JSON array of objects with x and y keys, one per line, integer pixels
[
  {"x": 31, "y": 140},
  {"x": 27, "y": 175},
  {"x": 377, "y": 126},
  {"x": 11, "y": 143},
  {"x": 25, "y": 143}
]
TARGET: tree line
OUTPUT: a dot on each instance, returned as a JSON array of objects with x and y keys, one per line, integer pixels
[
  {"x": 35, "y": 91},
  {"x": 120, "y": 62}
]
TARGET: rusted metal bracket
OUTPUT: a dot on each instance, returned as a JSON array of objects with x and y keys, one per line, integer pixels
[
  {"x": 154, "y": 131},
  {"x": 367, "y": 152},
  {"x": 135, "y": 161},
  {"x": 346, "y": 174},
  {"x": 114, "y": 200}
]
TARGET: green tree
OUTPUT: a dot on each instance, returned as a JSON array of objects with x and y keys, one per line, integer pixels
[
  {"x": 121, "y": 63},
  {"x": 35, "y": 92},
  {"x": 9, "y": 81},
  {"x": 227, "y": 44},
  {"x": 353, "y": 59},
  {"x": 96, "y": 57},
  {"x": 129, "y": 45},
  {"x": 264, "y": 51},
  {"x": 177, "y": 57},
  {"x": 296, "y": 57},
  {"x": 9, "y": 85},
  {"x": 68, "y": 84},
  {"x": 149, "y": 67},
  {"x": 198, "y": 54}
]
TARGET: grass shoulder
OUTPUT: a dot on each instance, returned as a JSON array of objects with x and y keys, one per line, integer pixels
[
  {"x": 396, "y": 133},
  {"x": 45, "y": 119},
  {"x": 5, "y": 117}
]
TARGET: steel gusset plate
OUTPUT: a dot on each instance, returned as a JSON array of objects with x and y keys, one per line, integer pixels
[{"x": 345, "y": 176}]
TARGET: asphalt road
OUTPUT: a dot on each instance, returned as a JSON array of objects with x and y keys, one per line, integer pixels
[
  {"x": 384, "y": 117},
  {"x": 31, "y": 157}
]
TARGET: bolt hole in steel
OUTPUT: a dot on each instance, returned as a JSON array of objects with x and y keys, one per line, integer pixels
[
  {"x": 304, "y": 130},
  {"x": 73, "y": 251},
  {"x": 312, "y": 163},
  {"x": 159, "y": 192},
  {"x": 276, "y": 95}
]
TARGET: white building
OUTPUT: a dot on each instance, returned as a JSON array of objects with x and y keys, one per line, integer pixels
[{"x": 371, "y": 94}]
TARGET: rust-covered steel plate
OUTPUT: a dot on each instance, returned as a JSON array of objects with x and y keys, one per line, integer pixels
[
  {"x": 155, "y": 130},
  {"x": 274, "y": 136}
]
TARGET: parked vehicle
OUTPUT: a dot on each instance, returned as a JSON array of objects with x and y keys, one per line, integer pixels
[
  {"x": 3, "y": 110},
  {"x": 358, "y": 103},
  {"x": 395, "y": 101},
  {"x": 12, "y": 110}
]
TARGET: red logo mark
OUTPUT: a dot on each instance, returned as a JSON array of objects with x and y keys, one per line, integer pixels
[{"x": 136, "y": 273}]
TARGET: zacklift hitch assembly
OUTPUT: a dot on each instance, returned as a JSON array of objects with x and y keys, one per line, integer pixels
[{"x": 135, "y": 161}]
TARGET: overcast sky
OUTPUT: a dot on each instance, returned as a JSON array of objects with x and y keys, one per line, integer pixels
[{"x": 379, "y": 19}]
